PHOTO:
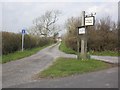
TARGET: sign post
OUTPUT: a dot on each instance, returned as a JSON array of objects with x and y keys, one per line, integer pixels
[
  {"x": 23, "y": 32},
  {"x": 83, "y": 53},
  {"x": 81, "y": 31},
  {"x": 86, "y": 21}
]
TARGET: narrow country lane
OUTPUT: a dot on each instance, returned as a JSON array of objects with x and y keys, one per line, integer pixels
[{"x": 19, "y": 73}]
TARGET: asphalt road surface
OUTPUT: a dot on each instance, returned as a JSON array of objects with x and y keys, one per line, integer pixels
[
  {"x": 101, "y": 79},
  {"x": 109, "y": 59},
  {"x": 19, "y": 73}
]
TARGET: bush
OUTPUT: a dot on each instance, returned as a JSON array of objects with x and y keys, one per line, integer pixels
[
  {"x": 11, "y": 42},
  {"x": 103, "y": 36},
  {"x": 71, "y": 42}
]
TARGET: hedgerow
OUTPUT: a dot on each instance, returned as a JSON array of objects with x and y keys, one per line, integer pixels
[{"x": 11, "y": 42}]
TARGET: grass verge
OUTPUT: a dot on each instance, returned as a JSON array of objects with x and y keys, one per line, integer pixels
[
  {"x": 20, "y": 54},
  {"x": 67, "y": 66},
  {"x": 105, "y": 53},
  {"x": 65, "y": 49}
]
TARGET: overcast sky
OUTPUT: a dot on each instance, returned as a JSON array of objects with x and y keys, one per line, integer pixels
[{"x": 18, "y": 15}]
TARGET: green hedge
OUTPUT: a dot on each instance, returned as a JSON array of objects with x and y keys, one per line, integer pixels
[{"x": 11, "y": 42}]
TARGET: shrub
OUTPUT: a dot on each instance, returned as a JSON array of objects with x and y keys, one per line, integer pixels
[
  {"x": 71, "y": 42},
  {"x": 11, "y": 42},
  {"x": 101, "y": 37}
]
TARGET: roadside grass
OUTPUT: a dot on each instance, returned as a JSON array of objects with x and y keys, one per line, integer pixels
[
  {"x": 19, "y": 54},
  {"x": 105, "y": 53},
  {"x": 67, "y": 66},
  {"x": 65, "y": 49}
]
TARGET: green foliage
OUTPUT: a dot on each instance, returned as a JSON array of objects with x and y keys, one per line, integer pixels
[
  {"x": 65, "y": 49},
  {"x": 11, "y": 42},
  {"x": 105, "y": 53},
  {"x": 66, "y": 66},
  {"x": 68, "y": 50}
]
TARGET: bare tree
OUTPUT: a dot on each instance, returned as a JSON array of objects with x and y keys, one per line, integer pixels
[
  {"x": 33, "y": 31},
  {"x": 71, "y": 27},
  {"x": 103, "y": 36},
  {"x": 46, "y": 24}
]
